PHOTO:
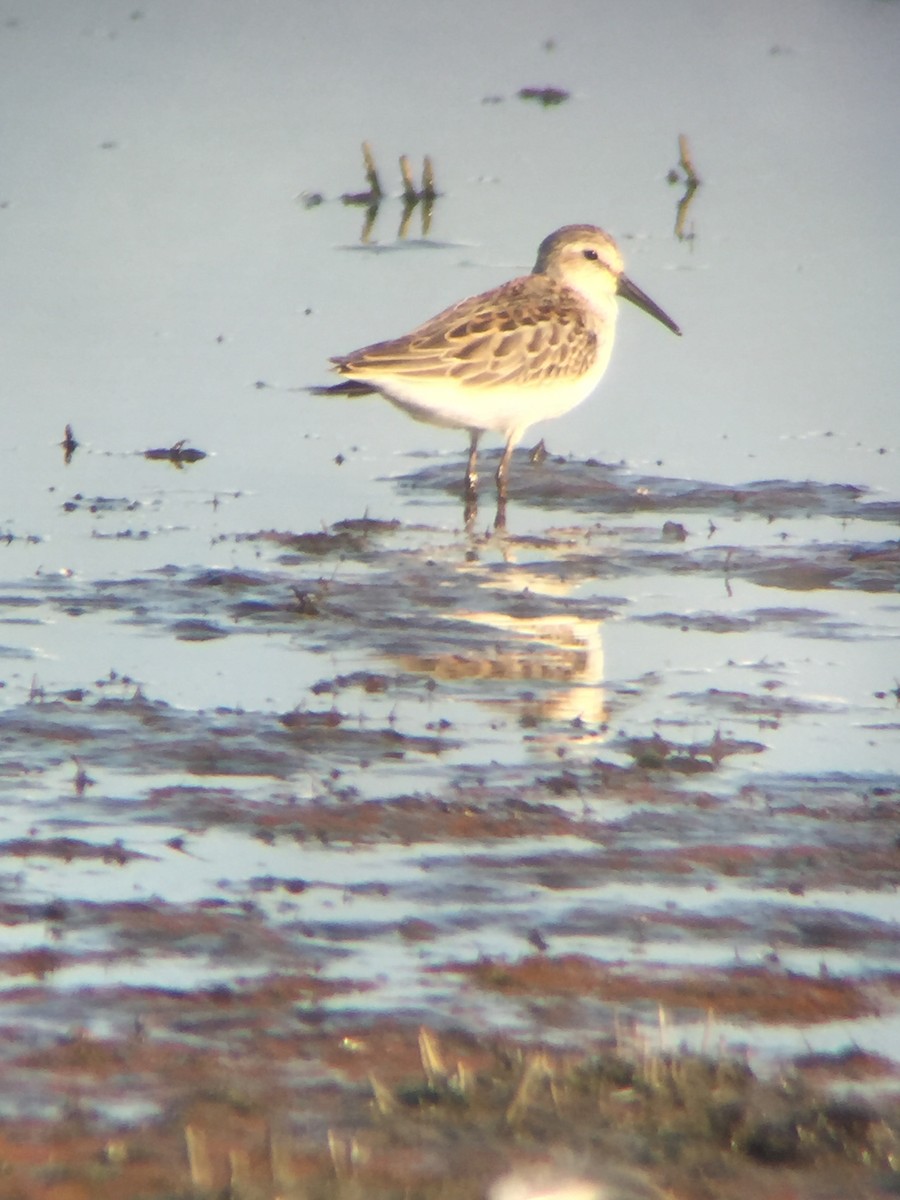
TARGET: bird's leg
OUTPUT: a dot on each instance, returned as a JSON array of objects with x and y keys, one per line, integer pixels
[
  {"x": 500, "y": 514},
  {"x": 502, "y": 482},
  {"x": 471, "y": 501}
]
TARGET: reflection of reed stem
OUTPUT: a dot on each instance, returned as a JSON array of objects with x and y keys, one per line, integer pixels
[
  {"x": 198, "y": 1158},
  {"x": 409, "y": 207},
  {"x": 432, "y": 1062},
  {"x": 369, "y": 223},
  {"x": 681, "y": 215}
]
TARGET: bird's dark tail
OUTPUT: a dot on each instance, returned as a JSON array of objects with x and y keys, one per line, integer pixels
[{"x": 350, "y": 387}]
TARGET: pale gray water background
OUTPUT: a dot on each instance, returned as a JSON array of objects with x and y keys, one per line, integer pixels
[
  {"x": 153, "y": 157},
  {"x": 158, "y": 261}
]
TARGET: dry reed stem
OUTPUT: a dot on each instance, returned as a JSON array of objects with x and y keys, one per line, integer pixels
[{"x": 198, "y": 1158}]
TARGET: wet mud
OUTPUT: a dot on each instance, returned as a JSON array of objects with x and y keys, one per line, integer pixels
[{"x": 645, "y": 916}]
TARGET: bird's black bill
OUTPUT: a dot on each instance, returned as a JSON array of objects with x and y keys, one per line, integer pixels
[{"x": 630, "y": 291}]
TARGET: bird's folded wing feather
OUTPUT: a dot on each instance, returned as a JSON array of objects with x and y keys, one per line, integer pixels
[{"x": 527, "y": 331}]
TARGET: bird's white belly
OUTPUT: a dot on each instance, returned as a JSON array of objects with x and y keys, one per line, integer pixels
[{"x": 504, "y": 408}]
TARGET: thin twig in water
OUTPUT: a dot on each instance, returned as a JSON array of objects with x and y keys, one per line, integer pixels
[
  {"x": 198, "y": 1158},
  {"x": 691, "y": 180},
  {"x": 686, "y": 161},
  {"x": 428, "y": 188},
  {"x": 371, "y": 172},
  {"x": 432, "y": 1061},
  {"x": 410, "y": 195}
]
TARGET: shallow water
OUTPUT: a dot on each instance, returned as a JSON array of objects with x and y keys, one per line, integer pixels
[{"x": 274, "y": 713}]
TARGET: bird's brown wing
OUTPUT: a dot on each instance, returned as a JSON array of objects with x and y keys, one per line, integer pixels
[{"x": 526, "y": 331}]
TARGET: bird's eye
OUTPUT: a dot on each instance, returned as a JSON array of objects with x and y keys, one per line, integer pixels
[{"x": 592, "y": 255}]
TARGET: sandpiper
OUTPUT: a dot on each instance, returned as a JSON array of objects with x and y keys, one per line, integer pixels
[
  {"x": 527, "y": 350},
  {"x": 609, "y": 1182}
]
